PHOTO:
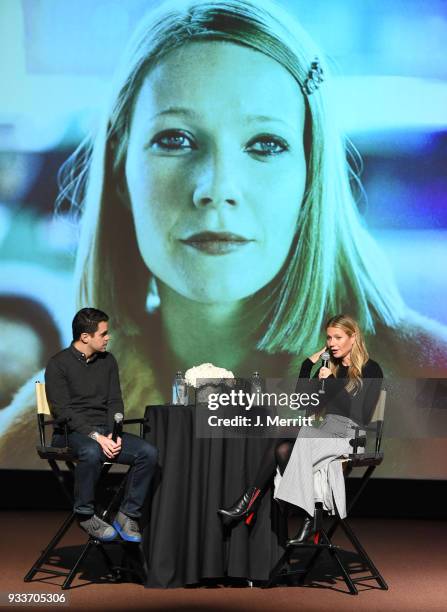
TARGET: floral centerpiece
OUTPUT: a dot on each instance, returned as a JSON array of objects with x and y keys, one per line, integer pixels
[{"x": 198, "y": 375}]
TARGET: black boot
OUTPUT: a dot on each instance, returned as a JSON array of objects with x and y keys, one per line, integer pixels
[
  {"x": 244, "y": 507},
  {"x": 307, "y": 529}
]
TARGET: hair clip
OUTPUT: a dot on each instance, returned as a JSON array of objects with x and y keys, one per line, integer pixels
[{"x": 314, "y": 77}]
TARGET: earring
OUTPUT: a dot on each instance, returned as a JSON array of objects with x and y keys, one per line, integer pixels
[{"x": 153, "y": 297}]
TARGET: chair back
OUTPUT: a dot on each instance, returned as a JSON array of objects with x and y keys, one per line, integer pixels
[
  {"x": 43, "y": 410},
  {"x": 41, "y": 399},
  {"x": 379, "y": 410},
  {"x": 378, "y": 418}
]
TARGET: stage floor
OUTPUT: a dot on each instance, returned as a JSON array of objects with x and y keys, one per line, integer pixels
[{"x": 411, "y": 555}]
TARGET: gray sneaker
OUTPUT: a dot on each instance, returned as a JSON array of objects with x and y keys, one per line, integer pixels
[
  {"x": 127, "y": 527},
  {"x": 98, "y": 529}
]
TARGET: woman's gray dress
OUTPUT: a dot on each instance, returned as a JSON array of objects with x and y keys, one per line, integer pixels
[{"x": 314, "y": 472}]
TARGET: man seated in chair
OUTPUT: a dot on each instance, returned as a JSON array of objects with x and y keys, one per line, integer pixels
[{"x": 82, "y": 386}]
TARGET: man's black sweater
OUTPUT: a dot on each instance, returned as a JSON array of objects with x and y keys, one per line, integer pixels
[{"x": 86, "y": 391}]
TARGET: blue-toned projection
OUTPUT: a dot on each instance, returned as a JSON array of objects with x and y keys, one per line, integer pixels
[{"x": 211, "y": 205}]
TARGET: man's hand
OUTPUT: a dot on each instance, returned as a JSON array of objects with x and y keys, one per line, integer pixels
[{"x": 110, "y": 448}]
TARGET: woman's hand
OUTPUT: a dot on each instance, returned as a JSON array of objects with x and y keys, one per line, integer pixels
[
  {"x": 316, "y": 356},
  {"x": 324, "y": 373}
]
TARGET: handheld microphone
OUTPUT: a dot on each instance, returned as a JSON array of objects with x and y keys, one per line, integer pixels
[
  {"x": 117, "y": 426},
  {"x": 325, "y": 359}
]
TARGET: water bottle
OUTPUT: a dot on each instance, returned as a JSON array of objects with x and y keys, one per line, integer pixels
[
  {"x": 179, "y": 391},
  {"x": 256, "y": 389}
]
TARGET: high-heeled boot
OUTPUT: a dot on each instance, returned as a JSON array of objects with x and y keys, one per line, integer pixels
[
  {"x": 311, "y": 527},
  {"x": 307, "y": 529},
  {"x": 244, "y": 507}
]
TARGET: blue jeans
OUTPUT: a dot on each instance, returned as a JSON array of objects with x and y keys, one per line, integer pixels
[{"x": 136, "y": 452}]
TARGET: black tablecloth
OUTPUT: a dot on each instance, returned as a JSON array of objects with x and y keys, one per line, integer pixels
[{"x": 185, "y": 540}]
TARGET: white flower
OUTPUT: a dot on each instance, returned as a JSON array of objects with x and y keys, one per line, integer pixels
[{"x": 205, "y": 371}]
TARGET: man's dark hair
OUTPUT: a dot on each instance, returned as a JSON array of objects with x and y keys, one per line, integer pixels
[{"x": 86, "y": 321}]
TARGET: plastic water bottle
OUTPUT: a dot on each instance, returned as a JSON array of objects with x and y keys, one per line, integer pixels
[
  {"x": 179, "y": 391},
  {"x": 256, "y": 389}
]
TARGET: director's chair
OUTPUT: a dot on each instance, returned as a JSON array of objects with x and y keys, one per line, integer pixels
[
  {"x": 322, "y": 540},
  {"x": 132, "y": 556}
]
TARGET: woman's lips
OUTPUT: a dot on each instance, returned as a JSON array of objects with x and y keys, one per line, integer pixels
[{"x": 216, "y": 243}]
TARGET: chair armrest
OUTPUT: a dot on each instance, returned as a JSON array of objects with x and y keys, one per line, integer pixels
[
  {"x": 62, "y": 422},
  {"x": 365, "y": 459},
  {"x": 374, "y": 427},
  {"x": 371, "y": 427},
  {"x": 142, "y": 421},
  {"x": 56, "y": 453},
  {"x": 51, "y": 422},
  {"x": 133, "y": 421},
  {"x": 42, "y": 423},
  {"x": 358, "y": 440}
]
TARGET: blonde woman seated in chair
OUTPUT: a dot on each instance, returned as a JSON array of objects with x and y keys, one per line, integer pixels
[{"x": 311, "y": 470}]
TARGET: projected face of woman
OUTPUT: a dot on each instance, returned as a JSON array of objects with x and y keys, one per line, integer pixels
[{"x": 216, "y": 170}]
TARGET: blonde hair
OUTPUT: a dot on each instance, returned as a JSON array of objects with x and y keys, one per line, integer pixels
[
  {"x": 333, "y": 260},
  {"x": 359, "y": 355}
]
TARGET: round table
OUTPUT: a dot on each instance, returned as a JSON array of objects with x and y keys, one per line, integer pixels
[{"x": 185, "y": 540}]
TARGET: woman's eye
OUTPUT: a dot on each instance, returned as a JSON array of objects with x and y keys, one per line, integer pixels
[
  {"x": 172, "y": 140},
  {"x": 267, "y": 146}
]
